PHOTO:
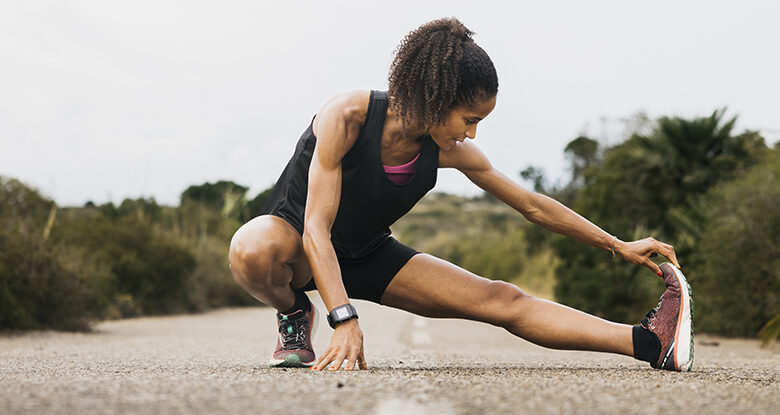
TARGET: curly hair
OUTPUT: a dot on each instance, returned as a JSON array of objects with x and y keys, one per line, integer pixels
[{"x": 436, "y": 68}]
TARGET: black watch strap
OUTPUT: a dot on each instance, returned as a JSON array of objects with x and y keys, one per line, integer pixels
[{"x": 341, "y": 314}]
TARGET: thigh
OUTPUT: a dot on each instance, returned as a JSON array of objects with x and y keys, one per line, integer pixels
[
  {"x": 432, "y": 287},
  {"x": 272, "y": 235},
  {"x": 366, "y": 277}
]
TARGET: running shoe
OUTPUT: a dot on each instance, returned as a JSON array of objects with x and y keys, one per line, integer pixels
[
  {"x": 293, "y": 346},
  {"x": 671, "y": 322}
]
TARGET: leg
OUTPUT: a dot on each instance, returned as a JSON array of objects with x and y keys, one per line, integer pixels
[
  {"x": 267, "y": 260},
  {"x": 432, "y": 287}
]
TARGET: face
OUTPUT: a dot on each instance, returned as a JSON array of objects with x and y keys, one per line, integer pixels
[{"x": 461, "y": 123}]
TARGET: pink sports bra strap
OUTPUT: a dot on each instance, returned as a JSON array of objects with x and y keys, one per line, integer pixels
[{"x": 402, "y": 174}]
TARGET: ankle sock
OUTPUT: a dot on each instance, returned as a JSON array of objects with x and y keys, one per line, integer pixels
[
  {"x": 647, "y": 347},
  {"x": 301, "y": 303}
]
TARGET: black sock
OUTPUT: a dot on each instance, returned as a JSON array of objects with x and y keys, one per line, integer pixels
[
  {"x": 301, "y": 303},
  {"x": 647, "y": 347}
]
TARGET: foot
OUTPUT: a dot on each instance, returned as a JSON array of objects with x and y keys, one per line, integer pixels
[
  {"x": 293, "y": 346},
  {"x": 671, "y": 322}
]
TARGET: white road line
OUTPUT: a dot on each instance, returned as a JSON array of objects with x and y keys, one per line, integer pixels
[
  {"x": 419, "y": 322},
  {"x": 420, "y": 335}
]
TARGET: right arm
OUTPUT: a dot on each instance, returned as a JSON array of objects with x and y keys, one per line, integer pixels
[{"x": 336, "y": 127}]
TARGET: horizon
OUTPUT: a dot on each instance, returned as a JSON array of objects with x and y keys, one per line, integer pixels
[{"x": 103, "y": 102}]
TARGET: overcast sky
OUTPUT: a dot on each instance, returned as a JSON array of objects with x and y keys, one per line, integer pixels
[{"x": 106, "y": 100}]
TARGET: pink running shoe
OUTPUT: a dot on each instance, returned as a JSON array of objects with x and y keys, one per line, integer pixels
[
  {"x": 671, "y": 321},
  {"x": 293, "y": 346}
]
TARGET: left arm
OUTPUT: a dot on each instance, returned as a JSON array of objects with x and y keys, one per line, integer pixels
[{"x": 549, "y": 213}]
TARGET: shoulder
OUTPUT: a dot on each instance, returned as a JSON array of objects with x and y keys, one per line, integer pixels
[
  {"x": 337, "y": 124},
  {"x": 348, "y": 107},
  {"x": 466, "y": 157}
]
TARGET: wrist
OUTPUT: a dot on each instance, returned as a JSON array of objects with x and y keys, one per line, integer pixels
[
  {"x": 341, "y": 314},
  {"x": 347, "y": 325},
  {"x": 619, "y": 247}
]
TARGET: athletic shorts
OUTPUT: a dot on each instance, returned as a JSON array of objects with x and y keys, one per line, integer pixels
[{"x": 367, "y": 277}]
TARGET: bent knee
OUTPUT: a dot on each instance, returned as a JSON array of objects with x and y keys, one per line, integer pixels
[
  {"x": 255, "y": 255},
  {"x": 252, "y": 255}
]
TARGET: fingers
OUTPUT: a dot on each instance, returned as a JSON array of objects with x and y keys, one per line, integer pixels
[
  {"x": 351, "y": 361},
  {"x": 329, "y": 358},
  {"x": 333, "y": 360},
  {"x": 672, "y": 256},
  {"x": 362, "y": 361},
  {"x": 667, "y": 251},
  {"x": 338, "y": 361},
  {"x": 323, "y": 361},
  {"x": 655, "y": 268}
]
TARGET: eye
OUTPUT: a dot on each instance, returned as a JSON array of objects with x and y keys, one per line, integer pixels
[{"x": 469, "y": 122}]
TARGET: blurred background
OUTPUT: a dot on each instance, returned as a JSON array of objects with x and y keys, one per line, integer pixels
[{"x": 136, "y": 137}]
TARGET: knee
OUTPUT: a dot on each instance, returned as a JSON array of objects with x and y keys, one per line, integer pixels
[
  {"x": 252, "y": 260},
  {"x": 505, "y": 302}
]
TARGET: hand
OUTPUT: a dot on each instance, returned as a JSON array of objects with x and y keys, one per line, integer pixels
[
  {"x": 346, "y": 344},
  {"x": 639, "y": 252}
]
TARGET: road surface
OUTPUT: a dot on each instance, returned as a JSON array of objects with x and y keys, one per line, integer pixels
[{"x": 216, "y": 363}]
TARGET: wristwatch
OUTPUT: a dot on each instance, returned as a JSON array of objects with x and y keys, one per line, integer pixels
[{"x": 341, "y": 314}]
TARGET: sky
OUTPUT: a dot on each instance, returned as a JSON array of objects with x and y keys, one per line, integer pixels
[{"x": 102, "y": 101}]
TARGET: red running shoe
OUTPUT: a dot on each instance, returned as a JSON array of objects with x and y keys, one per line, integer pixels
[
  {"x": 671, "y": 321},
  {"x": 293, "y": 346}
]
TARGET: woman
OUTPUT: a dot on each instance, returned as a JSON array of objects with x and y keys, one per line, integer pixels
[{"x": 364, "y": 161}]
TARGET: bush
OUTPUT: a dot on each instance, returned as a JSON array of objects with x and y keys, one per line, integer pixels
[
  {"x": 646, "y": 186},
  {"x": 151, "y": 271},
  {"x": 41, "y": 284},
  {"x": 737, "y": 273}
]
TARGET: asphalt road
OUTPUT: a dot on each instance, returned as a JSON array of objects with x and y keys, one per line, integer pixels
[{"x": 216, "y": 363}]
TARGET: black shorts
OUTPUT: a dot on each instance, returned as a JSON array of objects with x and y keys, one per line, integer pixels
[{"x": 367, "y": 277}]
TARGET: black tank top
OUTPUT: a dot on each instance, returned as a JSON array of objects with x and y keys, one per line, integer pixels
[{"x": 370, "y": 202}]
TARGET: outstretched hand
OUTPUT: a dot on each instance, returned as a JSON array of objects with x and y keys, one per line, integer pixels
[
  {"x": 346, "y": 344},
  {"x": 639, "y": 252}
]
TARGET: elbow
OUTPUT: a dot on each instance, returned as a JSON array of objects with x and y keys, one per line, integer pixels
[
  {"x": 533, "y": 210},
  {"x": 313, "y": 236},
  {"x": 534, "y": 215}
]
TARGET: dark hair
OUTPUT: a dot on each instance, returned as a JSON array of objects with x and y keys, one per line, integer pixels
[{"x": 436, "y": 68}]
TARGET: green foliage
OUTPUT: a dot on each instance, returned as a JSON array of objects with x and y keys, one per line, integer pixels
[
  {"x": 737, "y": 266},
  {"x": 647, "y": 186},
  {"x": 110, "y": 261},
  {"x": 226, "y": 197},
  {"x": 37, "y": 288},
  {"x": 771, "y": 331},
  {"x": 149, "y": 267},
  {"x": 40, "y": 284},
  {"x": 254, "y": 205},
  {"x": 482, "y": 236}
]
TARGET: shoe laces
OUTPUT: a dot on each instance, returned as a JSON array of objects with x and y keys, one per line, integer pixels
[
  {"x": 293, "y": 332},
  {"x": 651, "y": 315}
]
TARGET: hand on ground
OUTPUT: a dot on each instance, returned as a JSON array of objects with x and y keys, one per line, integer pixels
[{"x": 346, "y": 344}]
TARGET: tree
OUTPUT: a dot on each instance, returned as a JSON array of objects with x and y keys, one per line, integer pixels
[
  {"x": 646, "y": 186},
  {"x": 737, "y": 267},
  {"x": 226, "y": 197}
]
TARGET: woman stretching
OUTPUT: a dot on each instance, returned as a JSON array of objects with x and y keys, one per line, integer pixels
[{"x": 363, "y": 162}]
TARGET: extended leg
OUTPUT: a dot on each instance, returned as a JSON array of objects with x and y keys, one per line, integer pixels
[{"x": 432, "y": 287}]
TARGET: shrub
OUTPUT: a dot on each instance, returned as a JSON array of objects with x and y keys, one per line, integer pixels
[{"x": 737, "y": 273}]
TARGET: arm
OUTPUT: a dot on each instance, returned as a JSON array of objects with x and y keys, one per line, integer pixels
[
  {"x": 549, "y": 213},
  {"x": 336, "y": 127}
]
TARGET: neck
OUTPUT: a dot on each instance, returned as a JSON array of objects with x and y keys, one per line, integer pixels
[{"x": 396, "y": 132}]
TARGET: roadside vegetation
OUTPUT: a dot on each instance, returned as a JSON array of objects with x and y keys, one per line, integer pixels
[{"x": 711, "y": 191}]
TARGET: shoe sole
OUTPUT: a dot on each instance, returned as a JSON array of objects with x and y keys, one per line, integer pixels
[
  {"x": 293, "y": 360},
  {"x": 682, "y": 349}
]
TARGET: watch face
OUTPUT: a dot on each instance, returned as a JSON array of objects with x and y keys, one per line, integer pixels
[{"x": 342, "y": 313}]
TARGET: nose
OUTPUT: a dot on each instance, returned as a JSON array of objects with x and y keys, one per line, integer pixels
[{"x": 472, "y": 131}]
